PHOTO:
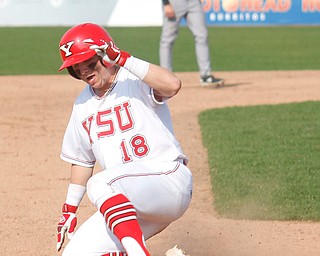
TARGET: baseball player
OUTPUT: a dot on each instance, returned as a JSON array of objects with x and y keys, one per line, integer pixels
[
  {"x": 191, "y": 10},
  {"x": 122, "y": 122}
]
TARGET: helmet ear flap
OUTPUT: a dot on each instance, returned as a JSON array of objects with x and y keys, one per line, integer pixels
[
  {"x": 72, "y": 73},
  {"x": 102, "y": 63}
]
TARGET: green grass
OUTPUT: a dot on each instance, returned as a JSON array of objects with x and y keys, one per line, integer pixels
[
  {"x": 28, "y": 50},
  {"x": 265, "y": 160},
  {"x": 267, "y": 48}
]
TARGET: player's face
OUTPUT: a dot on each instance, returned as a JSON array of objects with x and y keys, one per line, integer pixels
[{"x": 93, "y": 72}]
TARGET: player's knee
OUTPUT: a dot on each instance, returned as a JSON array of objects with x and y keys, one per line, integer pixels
[
  {"x": 67, "y": 251},
  {"x": 99, "y": 190},
  {"x": 73, "y": 248}
]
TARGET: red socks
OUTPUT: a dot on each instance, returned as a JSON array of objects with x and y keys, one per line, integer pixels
[{"x": 121, "y": 219}]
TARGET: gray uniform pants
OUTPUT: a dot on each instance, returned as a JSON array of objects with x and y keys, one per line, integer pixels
[{"x": 195, "y": 17}]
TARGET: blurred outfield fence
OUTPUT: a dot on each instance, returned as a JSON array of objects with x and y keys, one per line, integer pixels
[{"x": 119, "y": 13}]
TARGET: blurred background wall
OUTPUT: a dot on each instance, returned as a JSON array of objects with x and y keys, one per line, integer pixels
[{"x": 149, "y": 12}]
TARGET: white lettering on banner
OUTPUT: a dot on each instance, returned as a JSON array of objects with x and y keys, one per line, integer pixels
[{"x": 237, "y": 17}]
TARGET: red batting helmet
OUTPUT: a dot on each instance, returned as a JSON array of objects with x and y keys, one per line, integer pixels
[{"x": 74, "y": 44}]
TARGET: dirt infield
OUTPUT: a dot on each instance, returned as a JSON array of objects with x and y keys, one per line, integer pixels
[{"x": 33, "y": 179}]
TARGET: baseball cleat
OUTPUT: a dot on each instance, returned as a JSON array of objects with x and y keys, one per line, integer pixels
[
  {"x": 175, "y": 251},
  {"x": 211, "y": 81}
]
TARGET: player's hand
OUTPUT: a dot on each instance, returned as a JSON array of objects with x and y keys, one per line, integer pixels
[
  {"x": 169, "y": 12},
  {"x": 67, "y": 223},
  {"x": 110, "y": 54}
]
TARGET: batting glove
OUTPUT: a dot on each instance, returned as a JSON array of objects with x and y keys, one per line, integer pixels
[
  {"x": 111, "y": 54},
  {"x": 67, "y": 223}
]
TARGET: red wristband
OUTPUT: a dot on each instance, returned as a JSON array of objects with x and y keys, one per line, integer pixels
[
  {"x": 69, "y": 208},
  {"x": 123, "y": 58}
]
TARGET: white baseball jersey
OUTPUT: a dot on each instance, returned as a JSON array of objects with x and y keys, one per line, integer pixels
[
  {"x": 130, "y": 134},
  {"x": 126, "y": 125}
]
